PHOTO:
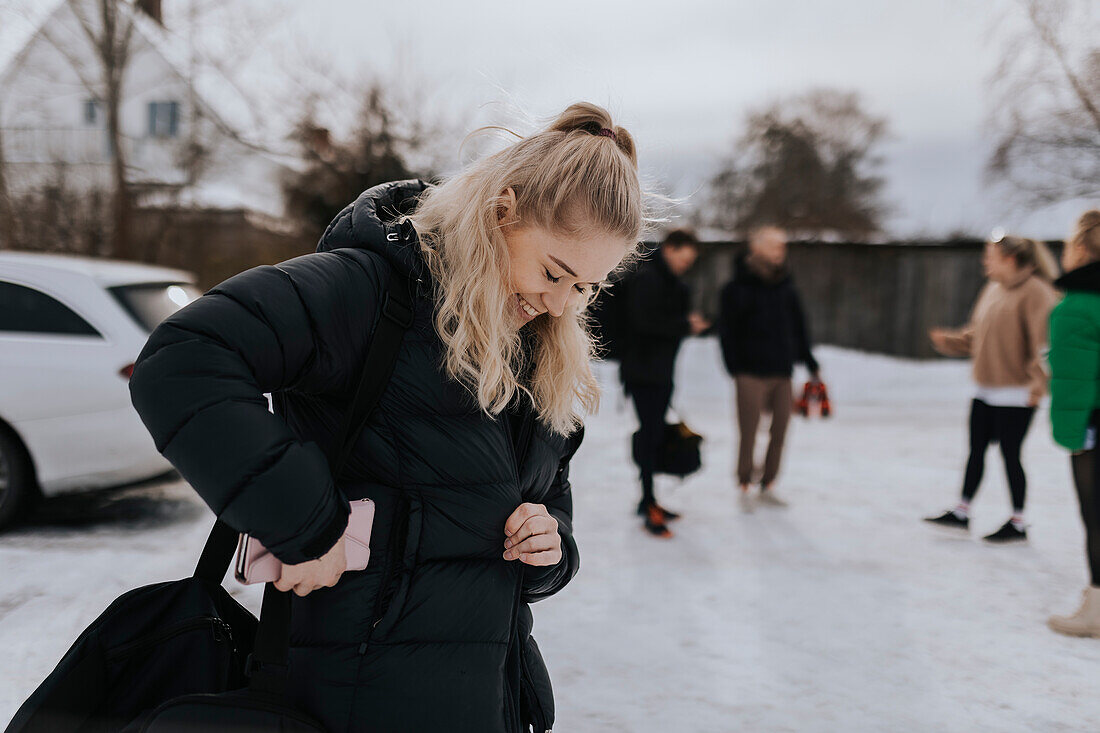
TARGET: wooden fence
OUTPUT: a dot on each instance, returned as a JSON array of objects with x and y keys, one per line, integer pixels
[{"x": 873, "y": 297}]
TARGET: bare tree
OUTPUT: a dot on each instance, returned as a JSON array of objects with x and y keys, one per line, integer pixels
[
  {"x": 108, "y": 26},
  {"x": 378, "y": 150},
  {"x": 1047, "y": 91},
  {"x": 806, "y": 163}
]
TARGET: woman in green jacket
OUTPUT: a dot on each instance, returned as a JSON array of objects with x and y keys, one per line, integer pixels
[{"x": 1075, "y": 398}]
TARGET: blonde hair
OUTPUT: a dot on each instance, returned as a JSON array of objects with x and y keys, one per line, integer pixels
[
  {"x": 578, "y": 174},
  {"x": 1030, "y": 253},
  {"x": 1087, "y": 233}
]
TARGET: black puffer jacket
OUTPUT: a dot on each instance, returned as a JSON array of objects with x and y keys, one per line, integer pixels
[
  {"x": 656, "y": 315},
  {"x": 761, "y": 324},
  {"x": 435, "y": 634}
]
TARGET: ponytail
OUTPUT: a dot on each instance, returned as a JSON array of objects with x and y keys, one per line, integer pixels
[{"x": 1031, "y": 253}]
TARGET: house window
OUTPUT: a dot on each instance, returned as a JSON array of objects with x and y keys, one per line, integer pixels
[
  {"x": 164, "y": 119},
  {"x": 93, "y": 112}
]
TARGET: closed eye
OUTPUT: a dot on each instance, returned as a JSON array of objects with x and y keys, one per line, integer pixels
[{"x": 580, "y": 288}]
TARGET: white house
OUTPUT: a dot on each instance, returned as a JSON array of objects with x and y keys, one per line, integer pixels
[{"x": 52, "y": 122}]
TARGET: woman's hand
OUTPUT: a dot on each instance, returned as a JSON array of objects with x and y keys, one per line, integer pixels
[
  {"x": 698, "y": 323},
  {"x": 532, "y": 536},
  {"x": 939, "y": 339},
  {"x": 324, "y": 572}
]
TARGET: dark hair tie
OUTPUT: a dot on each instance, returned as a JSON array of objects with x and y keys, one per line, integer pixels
[{"x": 608, "y": 133}]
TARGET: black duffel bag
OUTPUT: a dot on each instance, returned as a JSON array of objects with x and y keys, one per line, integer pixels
[
  {"x": 165, "y": 648},
  {"x": 679, "y": 454},
  {"x": 261, "y": 706}
]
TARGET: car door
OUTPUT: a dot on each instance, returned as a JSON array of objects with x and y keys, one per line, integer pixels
[{"x": 59, "y": 376}]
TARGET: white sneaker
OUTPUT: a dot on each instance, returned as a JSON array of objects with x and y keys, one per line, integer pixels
[
  {"x": 746, "y": 502},
  {"x": 769, "y": 497}
]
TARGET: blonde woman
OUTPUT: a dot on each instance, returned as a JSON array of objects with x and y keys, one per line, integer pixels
[
  {"x": 1005, "y": 337},
  {"x": 467, "y": 454}
]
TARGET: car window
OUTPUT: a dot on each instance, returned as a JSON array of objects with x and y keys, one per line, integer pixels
[
  {"x": 26, "y": 310},
  {"x": 151, "y": 303}
]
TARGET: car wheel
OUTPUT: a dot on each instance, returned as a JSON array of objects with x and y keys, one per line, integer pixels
[{"x": 16, "y": 480}]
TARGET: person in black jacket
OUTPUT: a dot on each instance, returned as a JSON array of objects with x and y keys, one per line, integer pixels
[
  {"x": 763, "y": 333},
  {"x": 467, "y": 452},
  {"x": 658, "y": 317}
]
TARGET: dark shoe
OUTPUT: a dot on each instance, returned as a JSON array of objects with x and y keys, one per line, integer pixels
[
  {"x": 1007, "y": 533},
  {"x": 643, "y": 508},
  {"x": 655, "y": 522},
  {"x": 669, "y": 516},
  {"x": 950, "y": 519}
]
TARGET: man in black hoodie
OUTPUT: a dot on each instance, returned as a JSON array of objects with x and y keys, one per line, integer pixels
[
  {"x": 763, "y": 333},
  {"x": 658, "y": 317}
]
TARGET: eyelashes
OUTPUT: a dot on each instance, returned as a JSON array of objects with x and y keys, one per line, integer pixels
[{"x": 579, "y": 288}]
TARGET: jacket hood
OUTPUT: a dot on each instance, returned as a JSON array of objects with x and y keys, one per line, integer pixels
[
  {"x": 744, "y": 271},
  {"x": 370, "y": 223},
  {"x": 1085, "y": 278}
]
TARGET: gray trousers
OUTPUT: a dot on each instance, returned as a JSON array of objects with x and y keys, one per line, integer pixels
[{"x": 755, "y": 396}]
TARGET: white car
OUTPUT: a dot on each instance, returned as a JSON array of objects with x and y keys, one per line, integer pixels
[{"x": 70, "y": 330}]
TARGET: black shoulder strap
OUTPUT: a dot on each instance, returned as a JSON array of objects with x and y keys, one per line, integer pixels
[
  {"x": 269, "y": 655},
  {"x": 395, "y": 319}
]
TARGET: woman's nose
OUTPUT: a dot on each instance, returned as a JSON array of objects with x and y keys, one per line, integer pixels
[{"x": 555, "y": 302}]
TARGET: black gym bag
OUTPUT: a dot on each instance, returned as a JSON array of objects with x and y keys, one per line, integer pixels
[
  {"x": 185, "y": 656},
  {"x": 679, "y": 454}
]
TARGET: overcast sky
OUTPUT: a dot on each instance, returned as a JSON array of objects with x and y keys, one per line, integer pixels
[{"x": 681, "y": 75}]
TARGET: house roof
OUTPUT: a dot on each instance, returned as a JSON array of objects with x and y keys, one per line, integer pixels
[{"x": 19, "y": 23}]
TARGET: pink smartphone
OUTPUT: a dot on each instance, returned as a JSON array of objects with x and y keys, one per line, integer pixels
[{"x": 254, "y": 564}]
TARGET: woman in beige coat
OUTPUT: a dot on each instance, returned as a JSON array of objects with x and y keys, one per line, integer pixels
[{"x": 1005, "y": 337}]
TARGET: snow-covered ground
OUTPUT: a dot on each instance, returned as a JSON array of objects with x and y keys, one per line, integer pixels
[{"x": 843, "y": 612}]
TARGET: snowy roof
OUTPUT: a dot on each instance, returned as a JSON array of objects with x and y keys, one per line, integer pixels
[{"x": 19, "y": 23}]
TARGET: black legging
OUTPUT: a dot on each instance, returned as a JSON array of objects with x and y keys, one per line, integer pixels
[
  {"x": 1004, "y": 425},
  {"x": 1086, "y": 476},
  {"x": 651, "y": 404}
]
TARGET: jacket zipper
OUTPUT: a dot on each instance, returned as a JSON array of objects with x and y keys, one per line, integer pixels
[
  {"x": 400, "y": 530},
  {"x": 221, "y": 630},
  {"x": 536, "y": 704},
  {"x": 519, "y": 454}
]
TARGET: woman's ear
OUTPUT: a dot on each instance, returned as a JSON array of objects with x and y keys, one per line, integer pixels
[{"x": 506, "y": 207}]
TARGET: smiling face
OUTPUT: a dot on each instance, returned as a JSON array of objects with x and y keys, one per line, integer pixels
[{"x": 550, "y": 271}]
